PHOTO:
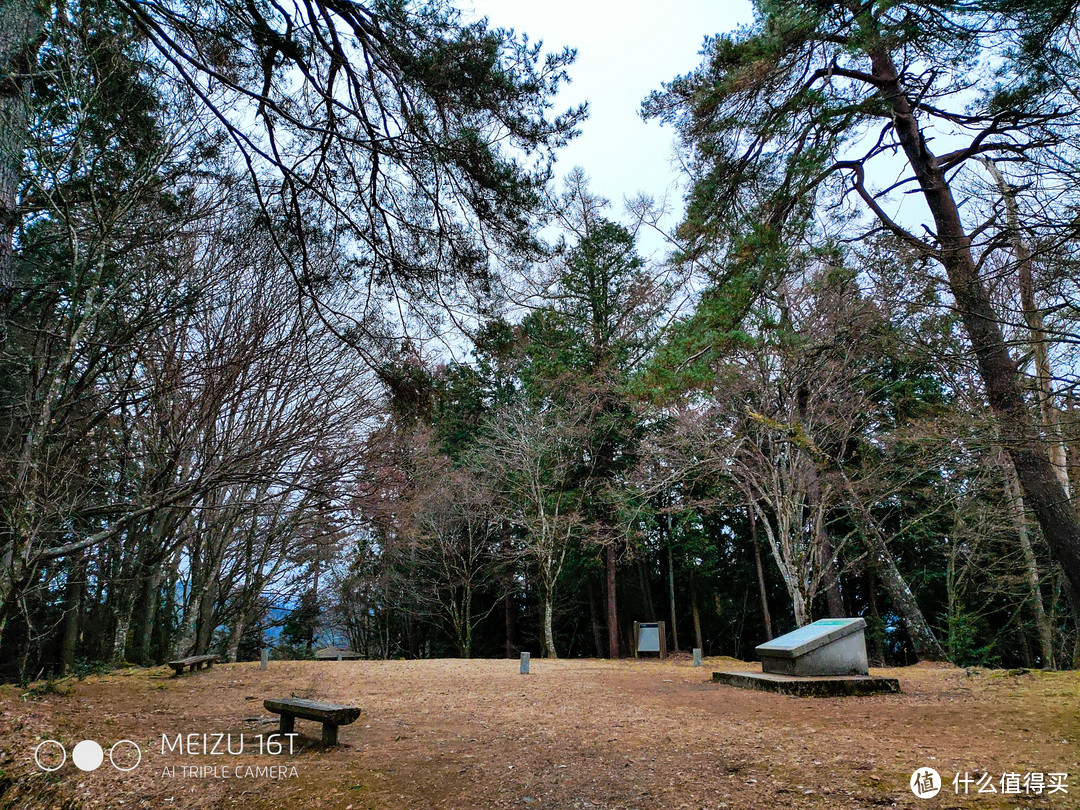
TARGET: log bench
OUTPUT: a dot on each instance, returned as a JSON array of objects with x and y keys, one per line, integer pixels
[
  {"x": 329, "y": 714},
  {"x": 193, "y": 663}
]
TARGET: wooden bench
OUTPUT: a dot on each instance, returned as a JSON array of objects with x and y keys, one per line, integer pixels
[
  {"x": 193, "y": 663},
  {"x": 329, "y": 714}
]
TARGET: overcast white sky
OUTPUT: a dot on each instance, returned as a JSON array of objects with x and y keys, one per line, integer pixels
[{"x": 625, "y": 50}]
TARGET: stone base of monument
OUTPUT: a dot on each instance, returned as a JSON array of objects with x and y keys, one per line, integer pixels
[{"x": 809, "y": 686}]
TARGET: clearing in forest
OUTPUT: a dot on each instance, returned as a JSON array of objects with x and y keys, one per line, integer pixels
[{"x": 571, "y": 734}]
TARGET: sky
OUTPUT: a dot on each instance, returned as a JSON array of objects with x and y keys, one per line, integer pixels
[{"x": 625, "y": 51}]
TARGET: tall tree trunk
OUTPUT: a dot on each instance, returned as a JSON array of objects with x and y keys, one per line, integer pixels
[
  {"x": 1038, "y": 478},
  {"x": 646, "y": 591},
  {"x": 549, "y": 634},
  {"x": 877, "y": 648},
  {"x": 594, "y": 616},
  {"x": 612, "y": 605},
  {"x": 1037, "y": 336},
  {"x": 923, "y": 640},
  {"x": 144, "y": 621},
  {"x": 235, "y": 633},
  {"x": 123, "y": 611},
  {"x": 1042, "y": 621},
  {"x": 309, "y": 642},
  {"x": 799, "y": 608},
  {"x": 73, "y": 595},
  {"x": 165, "y": 629},
  {"x": 696, "y": 613},
  {"x": 508, "y": 602},
  {"x": 21, "y": 24},
  {"x": 763, "y": 592},
  {"x": 671, "y": 592},
  {"x": 508, "y": 621},
  {"x": 832, "y": 583}
]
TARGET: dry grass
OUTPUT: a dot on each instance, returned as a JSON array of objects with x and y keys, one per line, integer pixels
[{"x": 572, "y": 734}]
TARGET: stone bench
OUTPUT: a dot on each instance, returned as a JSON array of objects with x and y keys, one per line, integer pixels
[
  {"x": 193, "y": 663},
  {"x": 329, "y": 714}
]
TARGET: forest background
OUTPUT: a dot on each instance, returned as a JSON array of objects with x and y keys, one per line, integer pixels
[{"x": 305, "y": 340}]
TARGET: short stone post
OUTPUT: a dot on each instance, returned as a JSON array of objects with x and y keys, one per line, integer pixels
[
  {"x": 338, "y": 658},
  {"x": 264, "y": 658},
  {"x": 525, "y": 663},
  {"x": 697, "y": 656}
]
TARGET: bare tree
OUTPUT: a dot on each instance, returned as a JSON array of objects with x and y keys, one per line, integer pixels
[{"x": 529, "y": 456}]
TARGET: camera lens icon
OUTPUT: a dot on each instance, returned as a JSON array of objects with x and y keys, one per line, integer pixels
[
  {"x": 46, "y": 753},
  {"x": 87, "y": 755}
]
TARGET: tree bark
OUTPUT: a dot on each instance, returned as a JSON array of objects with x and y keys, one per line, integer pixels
[
  {"x": 549, "y": 634},
  {"x": 671, "y": 593},
  {"x": 508, "y": 620},
  {"x": 21, "y": 24},
  {"x": 73, "y": 595},
  {"x": 612, "y": 605},
  {"x": 123, "y": 624},
  {"x": 508, "y": 602},
  {"x": 762, "y": 590},
  {"x": 1037, "y": 337},
  {"x": 1042, "y": 621},
  {"x": 877, "y": 649},
  {"x": 237, "y": 630},
  {"x": 923, "y": 641},
  {"x": 1022, "y": 439},
  {"x": 646, "y": 591},
  {"x": 695, "y": 612},
  {"x": 594, "y": 616},
  {"x": 833, "y": 598},
  {"x": 205, "y": 624}
]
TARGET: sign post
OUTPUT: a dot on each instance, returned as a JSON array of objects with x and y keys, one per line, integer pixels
[{"x": 650, "y": 637}]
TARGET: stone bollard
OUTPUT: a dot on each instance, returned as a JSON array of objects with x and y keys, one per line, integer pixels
[
  {"x": 339, "y": 656},
  {"x": 524, "y": 663},
  {"x": 697, "y": 656},
  {"x": 264, "y": 658}
]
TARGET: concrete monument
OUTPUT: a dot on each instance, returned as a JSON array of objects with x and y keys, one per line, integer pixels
[
  {"x": 824, "y": 659},
  {"x": 825, "y": 647}
]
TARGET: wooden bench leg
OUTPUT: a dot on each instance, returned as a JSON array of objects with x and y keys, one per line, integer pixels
[
  {"x": 329, "y": 735},
  {"x": 287, "y": 724}
]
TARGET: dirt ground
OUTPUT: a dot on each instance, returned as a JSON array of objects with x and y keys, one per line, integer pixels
[{"x": 572, "y": 734}]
